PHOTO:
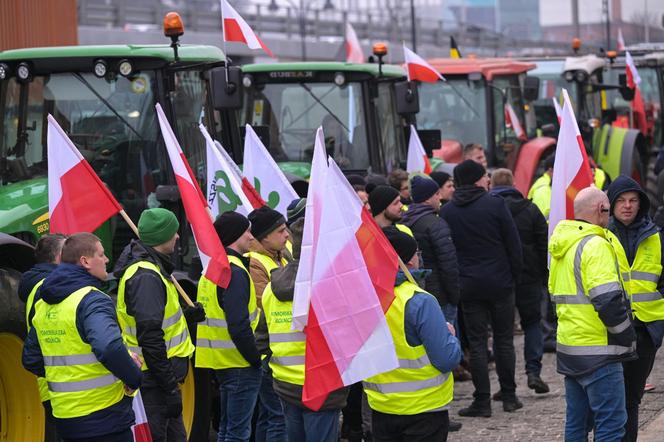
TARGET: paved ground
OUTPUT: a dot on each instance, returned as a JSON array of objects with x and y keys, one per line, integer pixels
[{"x": 543, "y": 416}]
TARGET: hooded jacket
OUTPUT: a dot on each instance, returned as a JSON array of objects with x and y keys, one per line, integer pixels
[
  {"x": 598, "y": 276},
  {"x": 145, "y": 297},
  {"x": 487, "y": 243},
  {"x": 434, "y": 239},
  {"x": 633, "y": 235},
  {"x": 97, "y": 325},
  {"x": 533, "y": 233},
  {"x": 28, "y": 281}
]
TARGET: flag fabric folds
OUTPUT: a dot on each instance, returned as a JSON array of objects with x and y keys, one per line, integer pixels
[
  {"x": 559, "y": 111},
  {"x": 417, "y": 160},
  {"x": 354, "y": 53},
  {"x": 261, "y": 170},
  {"x": 512, "y": 120},
  {"x": 418, "y": 69},
  {"x": 216, "y": 267},
  {"x": 571, "y": 169},
  {"x": 78, "y": 201},
  {"x": 235, "y": 28},
  {"x": 637, "y": 104},
  {"x": 141, "y": 429}
]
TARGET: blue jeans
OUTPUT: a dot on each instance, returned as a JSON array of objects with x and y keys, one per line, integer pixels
[
  {"x": 596, "y": 400},
  {"x": 304, "y": 425},
  {"x": 271, "y": 424},
  {"x": 238, "y": 388}
]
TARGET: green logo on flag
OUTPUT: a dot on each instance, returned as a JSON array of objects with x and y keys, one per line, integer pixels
[
  {"x": 227, "y": 200},
  {"x": 272, "y": 199}
]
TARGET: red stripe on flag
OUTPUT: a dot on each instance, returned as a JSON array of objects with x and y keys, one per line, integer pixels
[
  {"x": 583, "y": 179},
  {"x": 252, "y": 194},
  {"x": 427, "y": 165},
  {"x": 193, "y": 179},
  {"x": 321, "y": 374},
  {"x": 265, "y": 48},
  {"x": 86, "y": 203},
  {"x": 232, "y": 31},
  {"x": 380, "y": 258},
  {"x": 142, "y": 432},
  {"x": 422, "y": 73}
]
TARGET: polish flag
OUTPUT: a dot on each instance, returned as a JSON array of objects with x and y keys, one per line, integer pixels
[
  {"x": 234, "y": 28},
  {"x": 559, "y": 111},
  {"x": 417, "y": 160},
  {"x": 637, "y": 104},
  {"x": 261, "y": 169},
  {"x": 418, "y": 69},
  {"x": 78, "y": 201},
  {"x": 633, "y": 77},
  {"x": 216, "y": 267},
  {"x": 141, "y": 429},
  {"x": 512, "y": 121},
  {"x": 621, "y": 40},
  {"x": 571, "y": 170},
  {"x": 354, "y": 268},
  {"x": 354, "y": 53},
  {"x": 220, "y": 173}
]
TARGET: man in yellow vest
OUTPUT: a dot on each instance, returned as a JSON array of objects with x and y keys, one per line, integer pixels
[
  {"x": 595, "y": 332},
  {"x": 267, "y": 254},
  {"x": 153, "y": 323},
  {"x": 540, "y": 192},
  {"x": 76, "y": 344},
  {"x": 411, "y": 401},
  {"x": 386, "y": 207},
  {"x": 287, "y": 357},
  {"x": 638, "y": 245},
  {"x": 225, "y": 340},
  {"x": 47, "y": 257}
]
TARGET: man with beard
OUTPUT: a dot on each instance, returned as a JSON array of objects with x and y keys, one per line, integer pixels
[{"x": 386, "y": 207}]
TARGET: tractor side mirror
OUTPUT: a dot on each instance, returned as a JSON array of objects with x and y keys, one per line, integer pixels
[
  {"x": 531, "y": 88},
  {"x": 408, "y": 101},
  {"x": 226, "y": 89},
  {"x": 431, "y": 139},
  {"x": 626, "y": 92}
]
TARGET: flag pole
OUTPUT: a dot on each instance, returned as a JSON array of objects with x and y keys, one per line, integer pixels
[
  {"x": 405, "y": 270},
  {"x": 177, "y": 285}
]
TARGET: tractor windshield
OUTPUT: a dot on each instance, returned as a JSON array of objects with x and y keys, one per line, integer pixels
[
  {"x": 457, "y": 107},
  {"x": 290, "y": 113}
]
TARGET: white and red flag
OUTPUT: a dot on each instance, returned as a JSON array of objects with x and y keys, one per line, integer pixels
[
  {"x": 417, "y": 160},
  {"x": 78, "y": 201},
  {"x": 559, "y": 111},
  {"x": 633, "y": 77},
  {"x": 352, "y": 285},
  {"x": 512, "y": 121},
  {"x": 354, "y": 53},
  {"x": 216, "y": 267},
  {"x": 141, "y": 429},
  {"x": 637, "y": 104},
  {"x": 621, "y": 40},
  {"x": 571, "y": 169},
  {"x": 234, "y": 28},
  {"x": 418, "y": 69},
  {"x": 224, "y": 181},
  {"x": 262, "y": 171}
]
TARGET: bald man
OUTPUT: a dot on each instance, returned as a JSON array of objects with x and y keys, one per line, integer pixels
[{"x": 595, "y": 332}]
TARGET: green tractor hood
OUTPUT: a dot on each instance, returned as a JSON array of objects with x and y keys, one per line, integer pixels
[{"x": 24, "y": 208}]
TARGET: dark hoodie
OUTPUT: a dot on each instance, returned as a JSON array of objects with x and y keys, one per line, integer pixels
[
  {"x": 533, "y": 233},
  {"x": 633, "y": 235},
  {"x": 145, "y": 298},
  {"x": 487, "y": 243},
  {"x": 28, "y": 281},
  {"x": 97, "y": 325}
]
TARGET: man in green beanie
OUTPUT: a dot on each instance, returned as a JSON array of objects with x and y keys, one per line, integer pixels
[{"x": 152, "y": 322}]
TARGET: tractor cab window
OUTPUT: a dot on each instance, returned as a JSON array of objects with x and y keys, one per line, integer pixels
[
  {"x": 507, "y": 99},
  {"x": 390, "y": 128}
]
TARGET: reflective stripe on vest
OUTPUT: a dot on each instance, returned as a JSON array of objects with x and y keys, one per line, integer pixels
[
  {"x": 288, "y": 346},
  {"x": 78, "y": 383},
  {"x": 416, "y": 386},
  {"x": 41, "y": 382},
  {"x": 642, "y": 277},
  {"x": 174, "y": 324},
  {"x": 405, "y": 229},
  {"x": 214, "y": 347}
]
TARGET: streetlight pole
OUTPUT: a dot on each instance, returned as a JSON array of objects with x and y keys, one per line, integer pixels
[
  {"x": 413, "y": 32},
  {"x": 303, "y": 31}
]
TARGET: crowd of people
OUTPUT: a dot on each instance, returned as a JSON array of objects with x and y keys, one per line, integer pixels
[{"x": 476, "y": 251}]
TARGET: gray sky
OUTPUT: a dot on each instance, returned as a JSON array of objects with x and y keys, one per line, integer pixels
[{"x": 558, "y": 12}]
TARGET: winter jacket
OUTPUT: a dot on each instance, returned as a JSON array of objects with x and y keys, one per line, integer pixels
[
  {"x": 97, "y": 325},
  {"x": 438, "y": 252},
  {"x": 145, "y": 297},
  {"x": 487, "y": 243},
  {"x": 28, "y": 281},
  {"x": 533, "y": 233}
]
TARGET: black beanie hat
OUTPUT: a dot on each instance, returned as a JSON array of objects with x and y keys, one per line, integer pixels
[
  {"x": 381, "y": 197},
  {"x": 356, "y": 180},
  {"x": 422, "y": 188},
  {"x": 230, "y": 226},
  {"x": 404, "y": 244},
  {"x": 468, "y": 173},
  {"x": 296, "y": 210},
  {"x": 374, "y": 180},
  {"x": 440, "y": 177},
  {"x": 264, "y": 220}
]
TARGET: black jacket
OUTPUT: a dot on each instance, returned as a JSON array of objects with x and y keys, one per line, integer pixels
[
  {"x": 438, "y": 252},
  {"x": 487, "y": 243},
  {"x": 28, "y": 281},
  {"x": 97, "y": 325},
  {"x": 533, "y": 233},
  {"x": 145, "y": 297}
]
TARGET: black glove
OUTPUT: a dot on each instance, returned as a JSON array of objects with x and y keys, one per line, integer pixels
[
  {"x": 174, "y": 404},
  {"x": 195, "y": 313}
]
